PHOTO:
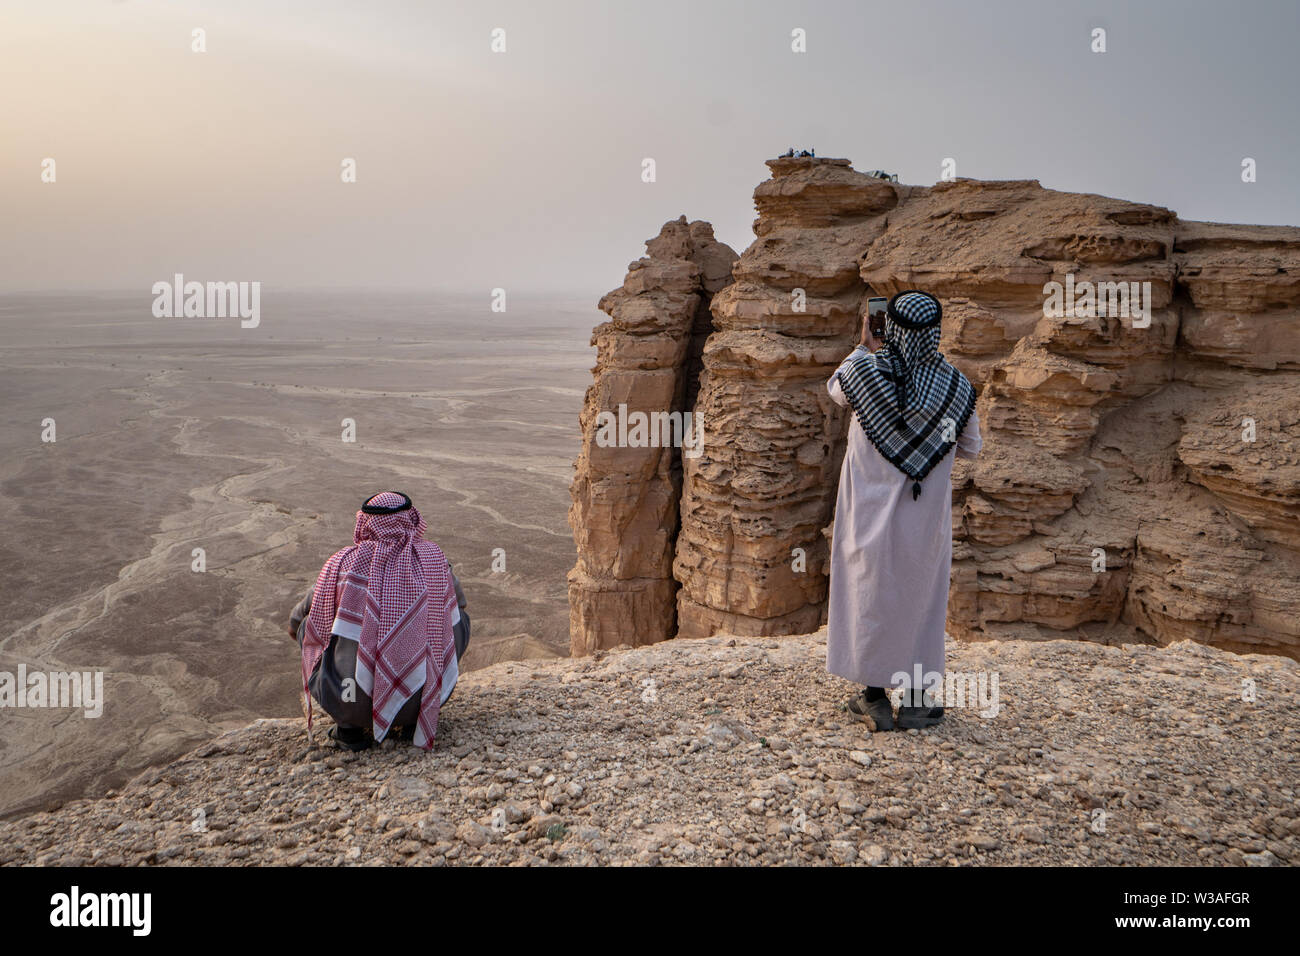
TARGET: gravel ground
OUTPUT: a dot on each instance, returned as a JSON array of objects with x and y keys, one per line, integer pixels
[{"x": 739, "y": 751}]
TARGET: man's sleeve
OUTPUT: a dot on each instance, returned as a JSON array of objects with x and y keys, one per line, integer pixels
[
  {"x": 299, "y": 613},
  {"x": 833, "y": 386},
  {"x": 969, "y": 441}
]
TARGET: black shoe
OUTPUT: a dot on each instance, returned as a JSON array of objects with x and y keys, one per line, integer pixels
[
  {"x": 877, "y": 714},
  {"x": 918, "y": 718},
  {"x": 351, "y": 738},
  {"x": 405, "y": 734}
]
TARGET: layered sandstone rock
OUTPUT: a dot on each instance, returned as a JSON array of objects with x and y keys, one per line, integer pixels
[
  {"x": 751, "y": 556},
  {"x": 1119, "y": 491},
  {"x": 1140, "y": 478},
  {"x": 625, "y": 495}
]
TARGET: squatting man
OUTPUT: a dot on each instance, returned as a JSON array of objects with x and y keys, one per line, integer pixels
[{"x": 382, "y": 632}]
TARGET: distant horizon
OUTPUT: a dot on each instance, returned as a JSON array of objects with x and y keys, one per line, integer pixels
[
  {"x": 460, "y": 292},
  {"x": 539, "y": 291}
]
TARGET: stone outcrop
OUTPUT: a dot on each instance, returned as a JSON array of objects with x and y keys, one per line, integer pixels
[
  {"x": 1119, "y": 484},
  {"x": 751, "y": 556},
  {"x": 1140, "y": 478},
  {"x": 625, "y": 494}
]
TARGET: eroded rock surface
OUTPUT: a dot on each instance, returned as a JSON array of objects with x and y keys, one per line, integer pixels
[
  {"x": 1141, "y": 466},
  {"x": 751, "y": 556},
  {"x": 626, "y": 495},
  {"x": 1122, "y": 480}
]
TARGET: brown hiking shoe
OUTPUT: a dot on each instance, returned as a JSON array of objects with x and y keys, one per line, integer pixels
[{"x": 877, "y": 714}]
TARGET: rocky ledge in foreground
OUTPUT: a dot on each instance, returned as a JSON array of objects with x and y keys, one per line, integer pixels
[{"x": 739, "y": 751}]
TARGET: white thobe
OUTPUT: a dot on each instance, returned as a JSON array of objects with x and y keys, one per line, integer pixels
[{"x": 891, "y": 558}]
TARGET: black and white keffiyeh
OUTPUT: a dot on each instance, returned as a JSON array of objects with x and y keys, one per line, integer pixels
[{"x": 910, "y": 402}]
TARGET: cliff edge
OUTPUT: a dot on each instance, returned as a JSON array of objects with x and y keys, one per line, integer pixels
[{"x": 737, "y": 751}]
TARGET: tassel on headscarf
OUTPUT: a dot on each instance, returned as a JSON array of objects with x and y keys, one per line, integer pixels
[{"x": 916, "y": 489}]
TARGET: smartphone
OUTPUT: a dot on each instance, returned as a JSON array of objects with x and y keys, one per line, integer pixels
[{"x": 877, "y": 308}]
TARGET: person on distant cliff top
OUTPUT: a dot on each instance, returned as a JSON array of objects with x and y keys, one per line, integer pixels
[
  {"x": 383, "y": 631},
  {"x": 891, "y": 549}
]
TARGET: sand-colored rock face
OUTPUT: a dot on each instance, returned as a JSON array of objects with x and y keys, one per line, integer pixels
[
  {"x": 1103, "y": 438},
  {"x": 751, "y": 556},
  {"x": 1141, "y": 469},
  {"x": 626, "y": 495}
]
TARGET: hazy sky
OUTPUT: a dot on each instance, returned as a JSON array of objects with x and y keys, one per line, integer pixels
[{"x": 522, "y": 169}]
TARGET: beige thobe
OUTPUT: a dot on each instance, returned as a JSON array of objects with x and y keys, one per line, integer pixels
[{"x": 891, "y": 557}]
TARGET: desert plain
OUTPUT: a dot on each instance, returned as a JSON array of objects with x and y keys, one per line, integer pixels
[{"x": 177, "y": 434}]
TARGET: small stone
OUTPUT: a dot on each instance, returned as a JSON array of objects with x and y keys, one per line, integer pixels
[
  {"x": 843, "y": 852},
  {"x": 1032, "y": 834},
  {"x": 539, "y": 827},
  {"x": 406, "y": 788},
  {"x": 873, "y": 854},
  {"x": 473, "y": 833},
  {"x": 433, "y": 829}
]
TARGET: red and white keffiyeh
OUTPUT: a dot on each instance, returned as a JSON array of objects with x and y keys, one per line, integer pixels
[{"x": 392, "y": 592}]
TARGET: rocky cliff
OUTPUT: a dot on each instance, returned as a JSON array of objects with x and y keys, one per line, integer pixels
[
  {"x": 626, "y": 494},
  {"x": 1140, "y": 479}
]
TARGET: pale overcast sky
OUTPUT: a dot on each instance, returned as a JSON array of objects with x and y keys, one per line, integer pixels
[{"x": 522, "y": 169}]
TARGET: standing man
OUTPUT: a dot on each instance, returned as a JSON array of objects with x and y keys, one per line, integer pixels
[{"x": 891, "y": 551}]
